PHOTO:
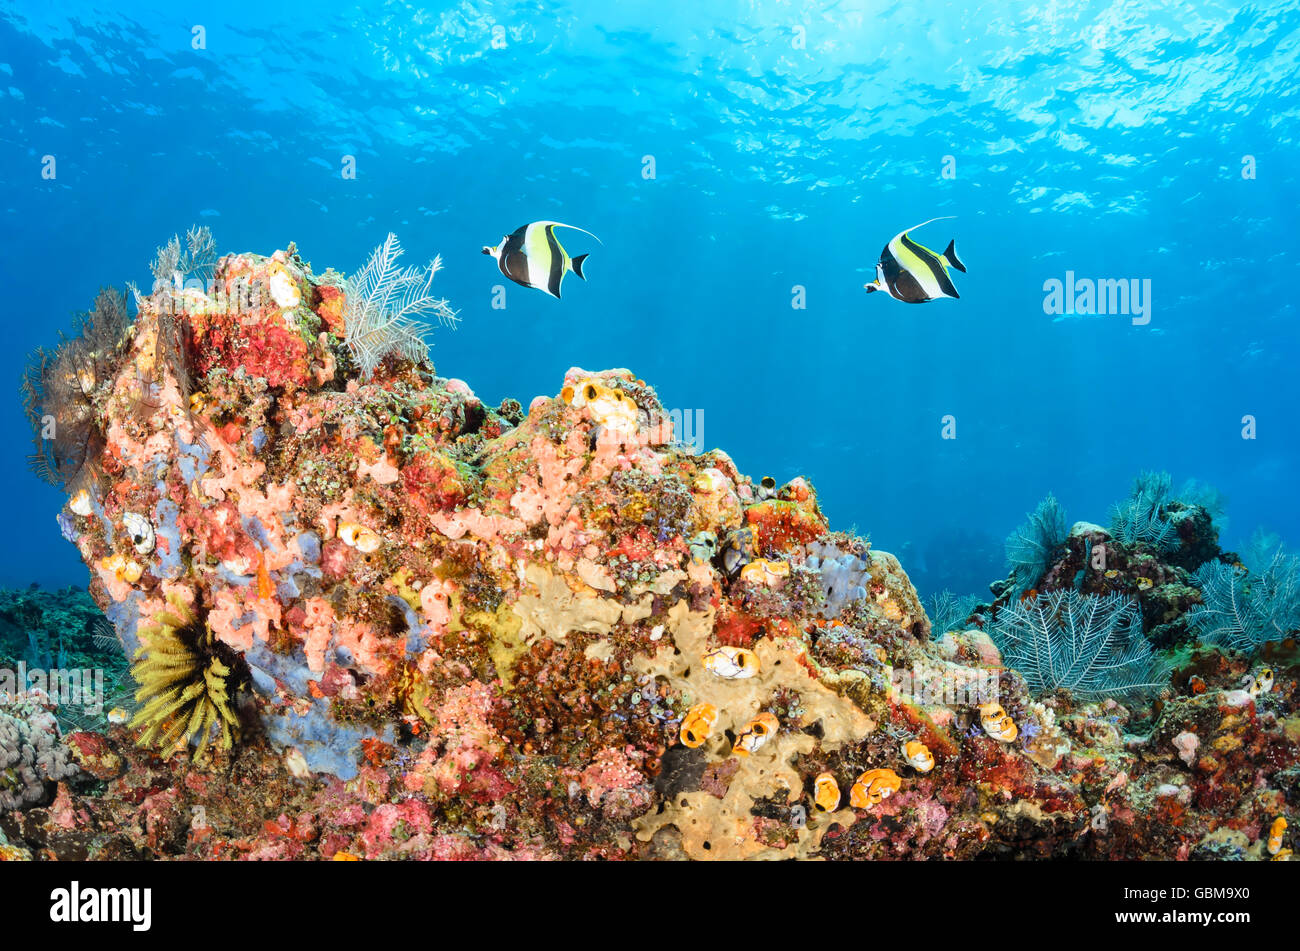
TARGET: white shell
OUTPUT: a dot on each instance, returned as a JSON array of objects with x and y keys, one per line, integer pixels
[{"x": 141, "y": 532}]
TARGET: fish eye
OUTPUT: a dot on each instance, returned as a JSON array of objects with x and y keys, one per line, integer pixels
[{"x": 590, "y": 392}]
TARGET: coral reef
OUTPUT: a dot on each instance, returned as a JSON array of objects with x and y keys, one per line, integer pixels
[{"x": 417, "y": 626}]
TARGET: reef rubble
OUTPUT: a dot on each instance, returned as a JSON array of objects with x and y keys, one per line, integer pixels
[{"x": 373, "y": 617}]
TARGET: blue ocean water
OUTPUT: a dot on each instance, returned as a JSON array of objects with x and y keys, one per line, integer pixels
[{"x": 743, "y": 165}]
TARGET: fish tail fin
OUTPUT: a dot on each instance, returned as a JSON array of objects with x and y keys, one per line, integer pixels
[
  {"x": 950, "y": 255},
  {"x": 577, "y": 265}
]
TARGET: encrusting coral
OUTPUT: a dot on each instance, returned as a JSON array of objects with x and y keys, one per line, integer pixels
[{"x": 378, "y": 618}]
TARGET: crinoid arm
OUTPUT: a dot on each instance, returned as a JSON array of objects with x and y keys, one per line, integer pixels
[
  {"x": 384, "y": 304},
  {"x": 187, "y": 684}
]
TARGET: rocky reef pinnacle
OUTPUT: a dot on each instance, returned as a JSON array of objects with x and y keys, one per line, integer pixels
[{"x": 373, "y": 617}]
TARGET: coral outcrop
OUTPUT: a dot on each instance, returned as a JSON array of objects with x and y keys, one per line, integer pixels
[
  {"x": 378, "y": 618},
  {"x": 31, "y": 756}
]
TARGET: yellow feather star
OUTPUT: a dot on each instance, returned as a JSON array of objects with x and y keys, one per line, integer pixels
[{"x": 184, "y": 686}]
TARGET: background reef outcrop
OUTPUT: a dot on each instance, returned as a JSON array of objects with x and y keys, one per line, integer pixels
[{"x": 374, "y": 617}]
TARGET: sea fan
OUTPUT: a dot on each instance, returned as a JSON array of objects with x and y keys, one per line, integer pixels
[
  {"x": 1138, "y": 519},
  {"x": 59, "y": 390},
  {"x": 949, "y": 612},
  {"x": 1245, "y": 610},
  {"x": 1091, "y": 645},
  {"x": 383, "y": 303},
  {"x": 1032, "y": 546}
]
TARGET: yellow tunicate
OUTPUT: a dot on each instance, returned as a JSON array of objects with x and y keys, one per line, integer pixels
[
  {"x": 123, "y": 568},
  {"x": 698, "y": 724},
  {"x": 758, "y": 731},
  {"x": 766, "y": 572},
  {"x": 826, "y": 793},
  {"x": 606, "y": 405},
  {"x": 733, "y": 663},
  {"x": 918, "y": 756},
  {"x": 359, "y": 537},
  {"x": 873, "y": 786},
  {"x": 80, "y": 503},
  {"x": 1275, "y": 835},
  {"x": 284, "y": 289}
]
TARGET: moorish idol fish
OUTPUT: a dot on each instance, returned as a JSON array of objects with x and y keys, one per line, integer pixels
[
  {"x": 531, "y": 255},
  {"x": 912, "y": 273}
]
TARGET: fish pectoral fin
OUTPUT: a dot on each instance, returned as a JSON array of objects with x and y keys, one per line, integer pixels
[
  {"x": 950, "y": 255},
  {"x": 576, "y": 265}
]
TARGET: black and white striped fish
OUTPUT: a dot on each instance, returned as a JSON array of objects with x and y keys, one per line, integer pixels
[
  {"x": 912, "y": 273},
  {"x": 531, "y": 255}
]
